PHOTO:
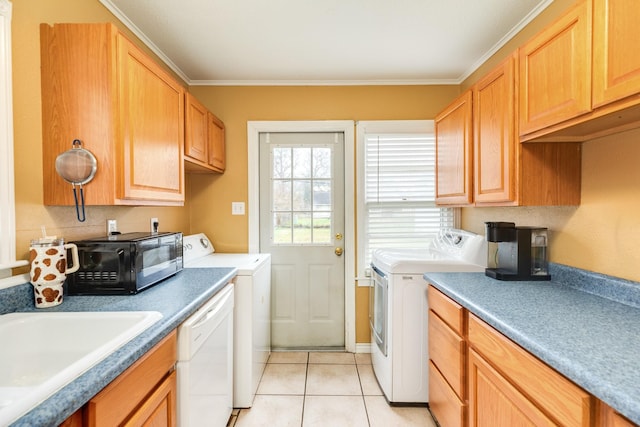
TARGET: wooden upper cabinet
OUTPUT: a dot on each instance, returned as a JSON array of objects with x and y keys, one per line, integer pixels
[
  {"x": 454, "y": 169},
  {"x": 196, "y": 121},
  {"x": 616, "y": 44},
  {"x": 216, "y": 143},
  {"x": 555, "y": 71},
  {"x": 151, "y": 107},
  {"x": 101, "y": 89},
  {"x": 204, "y": 142},
  {"x": 495, "y": 144}
]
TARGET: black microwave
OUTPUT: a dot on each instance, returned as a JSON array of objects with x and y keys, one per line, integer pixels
[{"x": 123, "y": 264}]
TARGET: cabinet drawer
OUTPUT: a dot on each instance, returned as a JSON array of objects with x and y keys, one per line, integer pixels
[
  {"x": 119, "y": 399},
  {"x": 446, "y": 351},
  {"x": 554, "y": 394},
  {"x": 444, "y": 404},
  {"x": 448, "y": 310}
]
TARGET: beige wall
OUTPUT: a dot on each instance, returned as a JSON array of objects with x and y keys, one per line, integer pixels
[{"x": 30, "y": 212}]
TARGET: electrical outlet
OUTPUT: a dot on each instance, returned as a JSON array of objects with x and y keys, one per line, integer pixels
[
  {"x": 155, "y": 225},
  {"x": 112, "y": 226}
]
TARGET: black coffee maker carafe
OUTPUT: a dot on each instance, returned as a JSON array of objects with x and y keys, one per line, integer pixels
[{"x": 517, "y": 253}]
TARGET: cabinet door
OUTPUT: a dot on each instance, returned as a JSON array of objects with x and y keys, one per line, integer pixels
[
  {"x": 216, "y": 143},
  {"x": 152, "y": 129},
  {"x": 494, "y": 153},
  {"x": 616, "y": 59},
  {"x": 454, "y": 153},
  {"x": 196, "y": 138},
  {"x": 494, "y": 402},
  {"x": 159, "y": 409},
  {"x": 556, "y": 395},
  {"x": 555, "y": 71}
]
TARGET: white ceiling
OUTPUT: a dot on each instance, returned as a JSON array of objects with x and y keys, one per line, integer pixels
[{"x": 278, "y": 42}]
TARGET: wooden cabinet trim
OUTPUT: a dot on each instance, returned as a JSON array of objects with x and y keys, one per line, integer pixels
[{"x": 554, "y": 394}]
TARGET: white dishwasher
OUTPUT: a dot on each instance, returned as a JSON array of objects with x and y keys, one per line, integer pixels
[{"x": 205, "y": 363}]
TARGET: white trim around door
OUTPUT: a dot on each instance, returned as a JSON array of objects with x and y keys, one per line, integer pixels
[{"x": 254, "y": 128}]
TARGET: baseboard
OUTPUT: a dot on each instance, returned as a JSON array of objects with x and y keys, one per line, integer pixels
[{"x": 364, "y": 347}]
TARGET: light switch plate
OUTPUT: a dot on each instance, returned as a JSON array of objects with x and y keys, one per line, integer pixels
[{"x": 237, "y": 208}]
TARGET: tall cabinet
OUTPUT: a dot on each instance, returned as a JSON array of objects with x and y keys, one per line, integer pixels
[{"x": 100, "y": 88}]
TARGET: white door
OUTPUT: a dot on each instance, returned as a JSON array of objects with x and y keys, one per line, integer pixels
[{"x": 302, "y": 226}]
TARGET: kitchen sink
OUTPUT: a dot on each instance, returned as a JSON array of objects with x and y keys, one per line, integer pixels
[{"x": 42, "y": 352}]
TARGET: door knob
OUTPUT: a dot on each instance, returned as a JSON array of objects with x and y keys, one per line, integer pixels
[{"x": 339, "y": 251}]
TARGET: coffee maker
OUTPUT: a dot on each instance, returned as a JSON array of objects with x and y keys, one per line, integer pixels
[{"x": 516, "y": 253}]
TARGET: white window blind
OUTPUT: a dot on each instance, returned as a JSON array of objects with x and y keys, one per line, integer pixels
[{"x": 399, "y": 192}]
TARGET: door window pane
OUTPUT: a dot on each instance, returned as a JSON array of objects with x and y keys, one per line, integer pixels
[
  {"x": 282, "y": 195},
  {"x": 282, "y": 227},
  {"x": 302, "y": 228},
  {"x": 321, "y": 162},
  {"x": 281, "y": 162},
  {"x": 322, "y": 227},
  {"x": 302, "y": 194},
  {"x": 302, "y": 162}
]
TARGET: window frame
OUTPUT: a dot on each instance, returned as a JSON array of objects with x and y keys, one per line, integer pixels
[
  {"x": 7, "y": 190},
  {"x": 379, "y": 127}
]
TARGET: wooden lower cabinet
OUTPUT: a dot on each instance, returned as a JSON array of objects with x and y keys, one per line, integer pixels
[
  {"x": 493, "y": 401},
  {"x": 553, "y": 394},
  {"x": 144, "y": 392},
  {"x": 143, "y": 395},
  {"x": 480, "y": 378},
  {"x": 159, "y": 409}
]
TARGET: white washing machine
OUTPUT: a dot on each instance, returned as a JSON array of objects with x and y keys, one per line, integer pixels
[
  {"x": 398, "y": 310},
  {"x": 251, "y": 314}
]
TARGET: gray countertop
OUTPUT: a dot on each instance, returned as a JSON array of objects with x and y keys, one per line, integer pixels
[
  {"x": 176, "y": 298},
  {"x": 567, "y": 322}
]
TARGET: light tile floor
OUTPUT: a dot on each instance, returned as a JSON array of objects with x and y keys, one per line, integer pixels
[{"x": 309, "y": 389}]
